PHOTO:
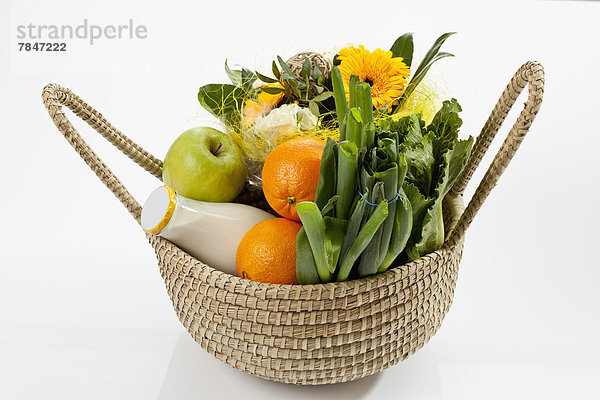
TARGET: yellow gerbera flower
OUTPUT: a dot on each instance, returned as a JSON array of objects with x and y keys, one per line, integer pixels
[{"x": 386, "y": 75}]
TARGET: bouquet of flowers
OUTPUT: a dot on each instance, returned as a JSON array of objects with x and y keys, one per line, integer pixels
[
  {"x": 351, "y": 149},
  {"x": 296, "y": 98}
]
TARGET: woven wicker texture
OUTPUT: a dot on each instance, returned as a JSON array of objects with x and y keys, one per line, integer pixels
[
  {"x": 297, "y": 61},
  {"x": 313, "y": 334}
]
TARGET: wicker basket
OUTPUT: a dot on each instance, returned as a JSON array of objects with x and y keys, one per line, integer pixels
[{"x": 313, "y": 334}]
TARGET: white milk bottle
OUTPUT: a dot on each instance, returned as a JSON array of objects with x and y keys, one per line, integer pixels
[{"x": 211, "y": 232}]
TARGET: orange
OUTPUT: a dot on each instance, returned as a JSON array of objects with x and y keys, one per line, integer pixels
[
  {"x": 267, "y": 252},
  {"x": 290, "y": 174}
]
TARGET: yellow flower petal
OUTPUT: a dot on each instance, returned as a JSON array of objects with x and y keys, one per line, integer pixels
[{"x": 386, "y": 75}]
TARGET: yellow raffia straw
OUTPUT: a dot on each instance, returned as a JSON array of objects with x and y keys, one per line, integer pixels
[
  {"x": 425, "y": 99},
  {"x": 257, "y": 146}
]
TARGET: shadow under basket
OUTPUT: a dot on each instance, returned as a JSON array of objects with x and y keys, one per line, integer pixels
[{"x": 313, "y": 334}]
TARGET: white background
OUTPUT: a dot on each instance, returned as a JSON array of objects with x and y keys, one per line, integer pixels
[{"x": 83, "y": 309}]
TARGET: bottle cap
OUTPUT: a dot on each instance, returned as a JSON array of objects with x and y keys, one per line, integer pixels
[{"x": 158, "y": 209}]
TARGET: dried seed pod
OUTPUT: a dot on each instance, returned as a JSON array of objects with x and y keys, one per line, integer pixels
[{"x": 296, "y": 62}]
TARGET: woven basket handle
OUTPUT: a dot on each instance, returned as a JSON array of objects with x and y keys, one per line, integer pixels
[
  {"x": 532, "y": 74},
  {"x": 54, "y": 97}
]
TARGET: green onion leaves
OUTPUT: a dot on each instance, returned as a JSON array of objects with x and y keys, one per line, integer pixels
[{"x": 380, "y": 191}]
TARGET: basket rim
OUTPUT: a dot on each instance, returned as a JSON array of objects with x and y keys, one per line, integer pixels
[{"x": 214, "y": 275}]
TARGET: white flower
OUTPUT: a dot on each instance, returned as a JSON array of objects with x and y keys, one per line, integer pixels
[
  {"x": 307, "y": 121},
  {"x": 285, "y": 120},
  {"x": 282, "y": 120}
]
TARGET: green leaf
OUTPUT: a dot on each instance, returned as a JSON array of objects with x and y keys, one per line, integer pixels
[
  {"x": 335, "y": 229},
  {"x": 330, "y": 205},
  {"x": 275, "y": 70},
  {"x": 352, "y": 101},
  {"x": 402, "y": 169},
  {"x": 354, "y": 126},
  {"x": 446, "y": 121},
  {"x": 387, "y": 147},
  {"x": 461, "y": 152},
  {"x": 336, "y": 60},
  {"x": 326, "y": 188},
  {"x": 408, "y": 128},
  {"x": 248, "y": 79},
  {"x": 417, "y": 78},
  {"x": 419, "y": 206},
  {"x": 413, "y": 135},
  {"x": 362, "y": 240},
  {"x": 306, "y": 270},
  {"x": 440, "y": 176},
  {"x": 343, "y": 128},
  {"x": 317, "y": 73},
  {"x": 354, "y": 223},
  {"x": 295, "y": 87},
  {"x": 432, "y": 235},
  {"x": 401, "y": 232},
  {"x": 220, "y": 99},
  {"x": 234, "y": 75},
  {"x": 306, "y": 69},
  {"x": 450, "y": 164},
  {"x": 364, "y": 101},
  {"x": 433, "y": 52},
  {"x": 421, "y": 163},
  {"x": 433, "y": 222},
  {"x": 341, "y": 103},
  {"x": 291, "y": 86},
  {"x": 389, "y": 177},
  {"x": 412, "y": 252},
  {"x": 367, "y": 180},
  {"x": 323, "y": 96},
  {"x": 430, "y": 58},
  {"x": 313, "y": 107},
  {"x": 284, "y": 66},
  {"x": 430, "y": 160},
  {"x": 320, "y": 244},
  {"x": 346, "y": 178},
  {"x": 321, "y": 80},
  {"x": 272, "y": 90},
  {"x": 369, "y": 259},
  {"x": 404, "y": 47},
  {"x": 265, "y": 78},
  {"x": 368, "y": 136}
]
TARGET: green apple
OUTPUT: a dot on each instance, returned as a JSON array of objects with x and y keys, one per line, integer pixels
[{"x": 205, "y": 164}]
